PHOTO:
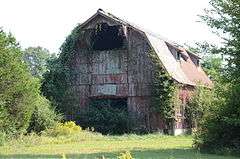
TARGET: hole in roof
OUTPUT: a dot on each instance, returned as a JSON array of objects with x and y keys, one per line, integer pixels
[{"x": 105, "y": 37}]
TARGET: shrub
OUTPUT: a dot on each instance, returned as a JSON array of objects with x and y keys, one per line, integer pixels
[
  {"x": 106, "y": 119},
  {"x": 43, "y": 117},
  {"x": 200, "y": 103},
  {"x": 219, "y": 129},
  {"x": 18, "y": 88},
  {"x": 125, "y": 155},
  {"x": 64, "y": 129}
]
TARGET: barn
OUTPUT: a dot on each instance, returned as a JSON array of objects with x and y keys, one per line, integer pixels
[{"x": 111, "y": 62}]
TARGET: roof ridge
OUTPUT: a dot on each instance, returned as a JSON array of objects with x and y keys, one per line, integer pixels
[{"x": 140, "y": 28}]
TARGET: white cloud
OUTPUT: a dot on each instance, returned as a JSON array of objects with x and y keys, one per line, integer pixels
[{"x": 47, "y": 22}]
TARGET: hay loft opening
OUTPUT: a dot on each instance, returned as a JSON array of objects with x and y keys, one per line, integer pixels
[{"x": 105, "y": 37}]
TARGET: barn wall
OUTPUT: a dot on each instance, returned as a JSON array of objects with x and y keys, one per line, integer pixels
[
  {"x": 140, "y": 79},
  {"x": 109, "y": 73}
]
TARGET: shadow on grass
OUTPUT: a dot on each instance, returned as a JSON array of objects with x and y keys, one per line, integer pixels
[{"x": 137, "y": 154}]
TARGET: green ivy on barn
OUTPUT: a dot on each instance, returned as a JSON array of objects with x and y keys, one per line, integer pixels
[{"x": 164, "y": 91}]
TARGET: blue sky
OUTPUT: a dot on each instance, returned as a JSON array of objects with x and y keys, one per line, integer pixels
[{"x": 46, "y": 23}]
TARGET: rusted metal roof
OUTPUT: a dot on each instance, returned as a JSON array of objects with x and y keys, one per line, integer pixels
[
  {"x": 169, "y": 62},
  {"x": 185, "y": 71}
]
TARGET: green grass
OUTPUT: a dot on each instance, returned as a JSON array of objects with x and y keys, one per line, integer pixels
[{"x": 88, "y": 145}]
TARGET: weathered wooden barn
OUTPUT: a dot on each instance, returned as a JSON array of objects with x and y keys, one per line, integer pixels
[{"x": 112, "y": 62}]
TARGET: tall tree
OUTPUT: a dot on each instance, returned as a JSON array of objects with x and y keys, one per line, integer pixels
[
  {"x": 36, "y": 59},
  {"x": 18, "y": 90},
  {"x": 220, "y": 129},
  {"x": 224, "y": 19}
]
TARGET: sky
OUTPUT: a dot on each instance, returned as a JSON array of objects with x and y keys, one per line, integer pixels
[{"x": 46, "y": 23}]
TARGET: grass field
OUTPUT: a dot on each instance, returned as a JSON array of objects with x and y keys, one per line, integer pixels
[{"x": 91, "y": 146}]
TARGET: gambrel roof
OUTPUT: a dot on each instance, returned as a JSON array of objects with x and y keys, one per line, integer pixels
[{"x": 183, "y": 71}]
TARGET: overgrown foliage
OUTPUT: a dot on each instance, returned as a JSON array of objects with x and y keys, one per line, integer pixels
[
  {"x": 105, "y": 118},
  {"x": 164, "y": 91},
  {"x": 56, "y": 81},
  {"x": 18, "y": 90},
  {"x": 217, "y": 128},
  {"x": 55, "y": 85},
  {"x": 70, "y": 45},
  {"x": 199, "y": 105},
  {"x": 220, "y": 129},
  {"x": 44, "y": 116},
  {"x": 22, "y": 108}
]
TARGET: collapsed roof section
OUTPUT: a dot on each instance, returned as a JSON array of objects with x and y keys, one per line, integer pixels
[{"x": 185, "y": 71}]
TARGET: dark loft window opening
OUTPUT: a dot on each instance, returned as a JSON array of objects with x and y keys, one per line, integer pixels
[
  {"x": 195, "y": 61},
  {"x": 107, "y": 37},
  {"x": 198, "y": 62},
  {"x": 178, "y": 56}
]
